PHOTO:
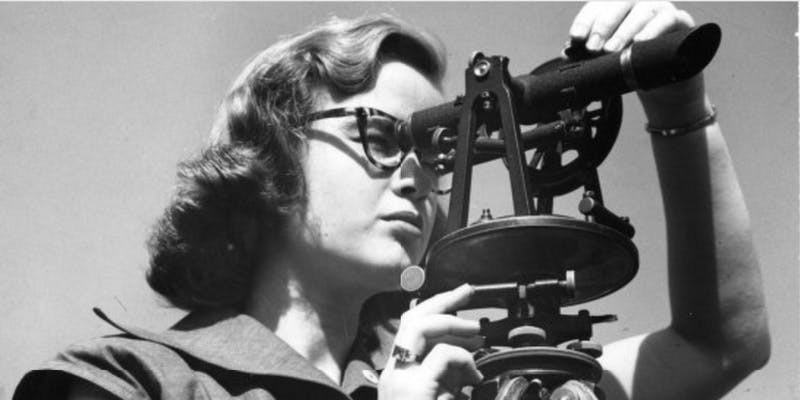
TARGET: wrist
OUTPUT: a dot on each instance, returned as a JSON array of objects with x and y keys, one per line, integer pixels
[
  {"x": 676, "y": 105},
  {"x": 680, "y": 130}
]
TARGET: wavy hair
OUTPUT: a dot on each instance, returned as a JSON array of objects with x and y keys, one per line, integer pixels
[{"x": 241, "y": 192}]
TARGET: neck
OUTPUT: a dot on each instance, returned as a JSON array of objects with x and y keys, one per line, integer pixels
[{"x": 307, "y": 310}]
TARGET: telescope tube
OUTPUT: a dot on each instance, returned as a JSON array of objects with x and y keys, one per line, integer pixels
[{"x": 644, "y": 65}]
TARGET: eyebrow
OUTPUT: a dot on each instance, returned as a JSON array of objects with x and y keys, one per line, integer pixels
[
  {"x": 351, "y": 124},
  {"x": 383, "y": 120}
]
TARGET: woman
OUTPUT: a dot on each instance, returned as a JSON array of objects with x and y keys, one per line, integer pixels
[{"x": 276, "y": 253}]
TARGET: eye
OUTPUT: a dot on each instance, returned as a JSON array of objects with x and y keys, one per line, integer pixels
[
  {"x": 381, "y": 138},
  {"x": 381, "y": 144}
]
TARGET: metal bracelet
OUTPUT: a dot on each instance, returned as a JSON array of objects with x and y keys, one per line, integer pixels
[{"x": 679, "y": 131}]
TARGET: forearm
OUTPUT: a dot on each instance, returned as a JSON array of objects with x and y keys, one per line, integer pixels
[{"x": 714, "y": 279}]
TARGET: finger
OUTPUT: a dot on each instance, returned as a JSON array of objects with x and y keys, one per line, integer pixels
[
  {"x": 663, "y": 22},
  {"x": 392, "y": 365},
  {"x": 470, "y": 343},
  {"x": 606, "y": 23},
  {"x": 444, "y": 302},
  {"x": 432, "y": 326},
  {"x": 637, "y": 18},
  {"x": 582, "y": 24},
  {"x": 419, "y": 333},
  {"x": 452, "y": 366}
]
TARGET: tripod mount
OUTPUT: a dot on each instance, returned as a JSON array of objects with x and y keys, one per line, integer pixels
[{"x": 533, "y": 263}]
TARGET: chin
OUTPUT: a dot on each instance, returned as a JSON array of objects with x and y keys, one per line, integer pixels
[
  {"x": 393, "y": 261},
  {"x": 389, "y": 262},
  {"x": 407, "y": 255}
]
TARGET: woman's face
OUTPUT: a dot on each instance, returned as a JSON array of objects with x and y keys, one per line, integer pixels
[{"x": 368, "y": 224}]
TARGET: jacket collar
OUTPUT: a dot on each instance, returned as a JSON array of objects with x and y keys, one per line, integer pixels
[{"x": 238, "y": 342}]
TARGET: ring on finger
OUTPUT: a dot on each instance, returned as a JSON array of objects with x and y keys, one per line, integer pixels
[{"x": 404, "y": 356}]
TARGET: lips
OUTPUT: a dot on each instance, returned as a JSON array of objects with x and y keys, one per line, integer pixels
[{"x": 410, "y": 217}]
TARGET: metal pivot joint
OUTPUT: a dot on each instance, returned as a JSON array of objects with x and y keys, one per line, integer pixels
[
  {"x": 488, "y": 101},
  {"x": 531, "y": 263},
  {"x": 552, "y": 129}
]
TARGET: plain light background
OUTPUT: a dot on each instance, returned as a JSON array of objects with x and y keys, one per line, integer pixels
[{"x": 100, "y": 101}]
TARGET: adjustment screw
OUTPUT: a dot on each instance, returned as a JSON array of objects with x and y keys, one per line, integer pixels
[
  {"x": 481, "y": 68},
  {"x": 486, "y": 216},
  {"x": 474, "y": 57},
  {"x": 488, "y": 100}
]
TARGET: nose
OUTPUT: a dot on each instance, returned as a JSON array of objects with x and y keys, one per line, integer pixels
[{"x": 412, "y": 180}]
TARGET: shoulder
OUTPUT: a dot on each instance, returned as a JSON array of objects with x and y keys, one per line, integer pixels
[
  {"x": 207, "y": 355},
  {"x": 125, "y": 366},
  {"x": 212, "y": 355}
]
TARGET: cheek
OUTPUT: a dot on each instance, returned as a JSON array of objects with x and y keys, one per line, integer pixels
[
  {"x": 338, "y": 187},
  {"x": 327, "y": 168}
]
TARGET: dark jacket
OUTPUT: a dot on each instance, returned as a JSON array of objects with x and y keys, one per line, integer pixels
[{"x": 216, "y": 355}]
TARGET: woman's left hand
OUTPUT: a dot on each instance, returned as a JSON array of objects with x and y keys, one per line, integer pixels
[{"x": 611, "y": 26}]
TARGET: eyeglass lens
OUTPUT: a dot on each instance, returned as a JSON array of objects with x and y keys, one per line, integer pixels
[
  {"x": 380, "y": 140},
  {"x": 382, "y": 144}
]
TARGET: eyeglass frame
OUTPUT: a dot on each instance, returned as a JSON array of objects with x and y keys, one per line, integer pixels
[{"x": 361, "y": 114}]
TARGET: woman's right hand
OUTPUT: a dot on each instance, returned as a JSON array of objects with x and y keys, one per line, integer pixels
[{"x": 442, "y": 344}]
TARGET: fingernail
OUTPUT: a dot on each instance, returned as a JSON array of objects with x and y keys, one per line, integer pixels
[
  {"x": 613, "y": 44},
  {"x": 595, "y": 42}
]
